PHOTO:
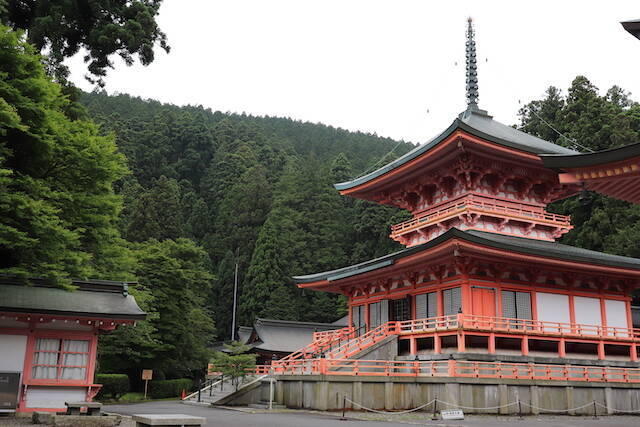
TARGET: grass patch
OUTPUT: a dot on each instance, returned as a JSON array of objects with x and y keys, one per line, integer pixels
[{"x": 133, "y": 397}]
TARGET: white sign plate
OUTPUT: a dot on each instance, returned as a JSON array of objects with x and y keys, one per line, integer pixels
[{"x": 455, "y": 414}]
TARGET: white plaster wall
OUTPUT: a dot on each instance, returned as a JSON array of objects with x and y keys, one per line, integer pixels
[
  {"x": 552, "y": 307},
  {"x": 616, "y": 313},
  {"x": 12, "y": 350},
  {"x": 54, "y": 397},
  {"x": 587, "y": 311}
]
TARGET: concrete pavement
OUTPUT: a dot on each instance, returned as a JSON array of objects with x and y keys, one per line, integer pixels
[{"x": 220, "y": 417}]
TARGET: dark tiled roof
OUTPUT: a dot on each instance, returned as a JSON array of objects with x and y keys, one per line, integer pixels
[
  {"x": 287, "y": 336},
  {"x": 633, "y": 27},
  {"x": 99, "y": 299},
  {"x": 498, "y": 241},
  {"x": 477, "y": 124},
  {"x": 563, "y": 161}
]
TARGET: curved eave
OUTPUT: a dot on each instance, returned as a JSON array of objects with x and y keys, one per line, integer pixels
[
  {"x": 632, "y": 27},
  {"x": 493, "y": 132},
  {"x": 537, "y": 248},
  {"x": 614, "y": 155}
]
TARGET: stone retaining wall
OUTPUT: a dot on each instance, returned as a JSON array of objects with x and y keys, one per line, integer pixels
[{"x": 325, "y": 392}]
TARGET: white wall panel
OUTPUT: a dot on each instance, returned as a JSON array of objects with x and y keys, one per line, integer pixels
[
  {"x": 12, "y": 350},
  {"x": 616, "y": 313},
  {"x": 587, "y": 311},
  {"x": 54, "y": 397},
  {"x": 552, "y": 307}
]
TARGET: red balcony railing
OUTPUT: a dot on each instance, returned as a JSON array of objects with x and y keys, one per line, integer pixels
[
  {"x": 482, "y": 205},
  {"x": 453, "y": 368},
  {"x": 515, "y": 326}
]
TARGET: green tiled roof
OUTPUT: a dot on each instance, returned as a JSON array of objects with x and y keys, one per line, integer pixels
[
  {"x": 476, "y": 123},
  {"x": 101, "y": 299},
  {"x": 498, "y": 241}
]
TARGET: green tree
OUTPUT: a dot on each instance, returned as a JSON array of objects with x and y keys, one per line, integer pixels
[
  {"x": 178, "y": 277},
  {"x": 596, "y": 122},
  {"x": 58, "y": 211},
  {"x": 234, "y": 363},
  {"x": 102, "y": 27}
]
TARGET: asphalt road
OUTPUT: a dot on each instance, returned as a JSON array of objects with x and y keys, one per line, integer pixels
[{"x": 219, "y": 417}]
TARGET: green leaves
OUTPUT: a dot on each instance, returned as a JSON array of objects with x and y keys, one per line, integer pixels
[
  {"x": 102, "y": 27},
  {"x": 57, "y": 207}
]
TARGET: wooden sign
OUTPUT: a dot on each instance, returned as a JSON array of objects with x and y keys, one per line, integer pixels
[
  {"x": 454, "y": 414},
  {"x": 147, "y": 374}
]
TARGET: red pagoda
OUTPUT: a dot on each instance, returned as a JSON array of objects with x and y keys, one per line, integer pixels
[{"x": 482, "y": 278}]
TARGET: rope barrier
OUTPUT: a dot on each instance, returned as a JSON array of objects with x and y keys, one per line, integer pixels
[
  {"x": 487, "y": 408},
  {"x": 387, "y": 412},
  {"x": 628, "y": 411},
  {"x": 556, "y": 410}
]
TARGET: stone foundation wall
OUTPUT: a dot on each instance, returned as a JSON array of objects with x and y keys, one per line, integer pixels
[{"x": 394, "y": 393}]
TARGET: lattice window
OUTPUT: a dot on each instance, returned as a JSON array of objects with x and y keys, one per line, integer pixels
[{"x": 58, "y": 359}]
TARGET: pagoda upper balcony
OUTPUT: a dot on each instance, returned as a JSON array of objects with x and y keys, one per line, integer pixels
[{"x": 476, "y": 212}]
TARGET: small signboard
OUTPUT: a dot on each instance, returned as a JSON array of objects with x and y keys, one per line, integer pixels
[
  {"x": 147, "y": 375},
  {"x": 454, "y": 414}
]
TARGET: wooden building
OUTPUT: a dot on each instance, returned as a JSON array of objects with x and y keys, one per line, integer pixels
[
  {"x": 49, "y": 339},
  {"x": 482, "y": 276}
]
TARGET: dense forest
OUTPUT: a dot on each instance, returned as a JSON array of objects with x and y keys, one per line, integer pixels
[
  {"x": 105, "y": 186},
  {"x": 257, "y": 191}
]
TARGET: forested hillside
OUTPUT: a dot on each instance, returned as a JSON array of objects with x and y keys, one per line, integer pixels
[{"x": 257, "y": 190}]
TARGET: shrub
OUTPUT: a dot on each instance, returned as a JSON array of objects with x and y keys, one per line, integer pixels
[
  {"x": 169, "y": 388},
  {"x": 113, "y": 385}
]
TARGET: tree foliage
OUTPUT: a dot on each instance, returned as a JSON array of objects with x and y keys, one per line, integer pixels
[
  {"x": 58, "y": 210},
  {"x": 101, "y": 27},
  {"x": 595, "y": 122}
]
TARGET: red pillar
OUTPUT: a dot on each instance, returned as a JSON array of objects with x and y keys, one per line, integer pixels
[
  {"x": 437, "y": 345},
  {"x": 561, "y": 348},
  {"x": 601, "y": 354},
  {"x": 413, "y": 346},
  {"x": 633, "y": 353},
  {"x": 524, "y": 345},
  {"x": 461, "y": 345},
  {"x": 492, "y": 343}
]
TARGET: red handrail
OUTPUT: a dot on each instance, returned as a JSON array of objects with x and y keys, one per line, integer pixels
[
  {"x": 482, "y": 204},
  {"x": 454, "y": 368},
  {"x": 519, "y": 326}
]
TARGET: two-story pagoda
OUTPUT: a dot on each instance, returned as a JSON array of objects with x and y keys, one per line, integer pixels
[{"x": 482, "y": 275}]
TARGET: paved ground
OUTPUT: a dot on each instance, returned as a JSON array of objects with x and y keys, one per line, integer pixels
[{"x": 236, "y": 418}]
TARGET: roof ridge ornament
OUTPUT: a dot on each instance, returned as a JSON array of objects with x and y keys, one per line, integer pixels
[
  {"x": 472, "y": 72},
  {"x": 472, "y": 68}
]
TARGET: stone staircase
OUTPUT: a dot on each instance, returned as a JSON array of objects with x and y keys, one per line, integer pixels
[{"x": 218, "y": 392}]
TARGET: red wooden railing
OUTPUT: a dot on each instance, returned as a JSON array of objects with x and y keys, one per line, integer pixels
[
  {"x": 335, "y": 334},
  {"x": 453, "y": 368},
  {"x": 359, "y": 343},
  {"x": 515, "y": 326},
  {"x": 326, "y": 346},
  {"x": 480, "y": 204},
  {"x": 322, "y": 341}
]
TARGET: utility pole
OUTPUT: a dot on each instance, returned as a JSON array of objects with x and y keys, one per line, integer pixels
[{"x": 235, "y": 299}]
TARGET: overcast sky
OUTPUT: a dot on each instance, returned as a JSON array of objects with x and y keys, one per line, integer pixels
[{"x": 395, "y": 68}]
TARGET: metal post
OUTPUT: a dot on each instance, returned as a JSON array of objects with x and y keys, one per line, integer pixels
[
  {"x": 222, "y": 382},
  {"x": 344, "y": 406},
  {"x": 235, "y": 297},
  {"x": 435, "y": 409},
  {"x": 270, "y": 393},
  {"x": 199, "y": 390},
  {"x": 595, "y": 411},
  {"x": 519, "y": 409}
]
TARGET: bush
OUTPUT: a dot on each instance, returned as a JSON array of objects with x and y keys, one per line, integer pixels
[
  {"x": 169, "y": 388},
  {"x": 113, "y": 385}
]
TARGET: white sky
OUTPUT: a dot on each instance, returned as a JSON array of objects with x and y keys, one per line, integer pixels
[{"x": 387, "y": 67}]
